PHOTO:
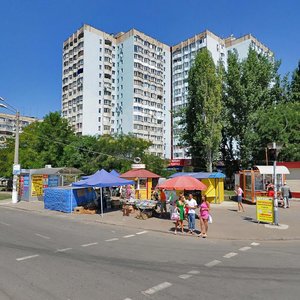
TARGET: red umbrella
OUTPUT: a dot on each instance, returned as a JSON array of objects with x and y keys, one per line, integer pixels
[{"x": 183, "y": 183}]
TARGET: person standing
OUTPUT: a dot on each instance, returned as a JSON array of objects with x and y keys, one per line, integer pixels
[
  {"x": 180, "y": 207},
  {"x": 163, "y": 202},
  {"x": 203, "y": 216},
  {"x": 285, "y": 192},
  {"x": 239, "y": 192},
  {"x": 192, "y": 205}
]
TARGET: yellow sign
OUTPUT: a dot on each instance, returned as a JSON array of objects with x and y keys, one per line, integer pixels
[
  {"x": 37, "y": 185},
  {"x": 264, "y": 209}
]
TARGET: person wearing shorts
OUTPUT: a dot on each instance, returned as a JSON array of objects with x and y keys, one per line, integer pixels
[
  {"x": 203, "y": 216},
  {"x": 239, "y": 194}
]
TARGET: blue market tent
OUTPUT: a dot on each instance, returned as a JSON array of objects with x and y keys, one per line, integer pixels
[
  {"x": 102, "y": 179},
  {"x": 115, "y": 173}
]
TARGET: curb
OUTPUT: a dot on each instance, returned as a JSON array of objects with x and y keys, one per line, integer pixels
[{"x": 44, "y": 212}]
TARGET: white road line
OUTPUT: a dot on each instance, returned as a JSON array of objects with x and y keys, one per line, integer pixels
[
  {"x": 157, "y": 288},
  {"x": 185, "y": 276},
  {"x": 42, "y": 236},
  {"x": 128, "y": 236},
  {"x": 245, "y": 248},
  {"x": 127, "y": 299},
  {"x": 90, "y": 244},
  {"x": 212, "y": 263},
  {"x": 63, "y": 250},
  {"x": 255, "y": 244},
  {"x": 111, "y": 240},
  {"x": 27, "y": 257},
  {"x": 230, "y": 254},
  {"x": 3, "y": 223},
  {"x": 195, "y": 272},
  {"x": 142, "y": 232}
]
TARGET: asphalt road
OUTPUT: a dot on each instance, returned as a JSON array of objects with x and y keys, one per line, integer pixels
[{"x": 52, "y": 257}]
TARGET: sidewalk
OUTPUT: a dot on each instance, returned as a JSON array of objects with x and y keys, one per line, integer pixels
[{"x": 227, "y": 222}]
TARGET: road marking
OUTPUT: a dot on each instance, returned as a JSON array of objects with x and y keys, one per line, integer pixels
[
  {"x": 63, "y": 250},
  {"x": 245, "y": 248},
  {"x": 212, "y": 263},
  {"x": 27, "y": 257},
  {"x": 230, "y": 254},
  {"x": 142, "y": 232},
  {"x": 90, "y": 244},
  {"x": 128, "y": 236},
  {"x": 185, "y": 276},
  {"x": 3, "y": 223},
  {"x": 195, "y": 272},
  {"x": 42, "y": 236},
  {"x": 157, "y": 288},
  {"x": 127, "y": 299},
  {"x": 111, "y": 240},
  {"x": 255, "y": 244}
]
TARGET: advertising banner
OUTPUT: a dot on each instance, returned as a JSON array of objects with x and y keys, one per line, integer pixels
[
  {"x": 264, "y": 209},
  {"x": 37, "y": 185}
]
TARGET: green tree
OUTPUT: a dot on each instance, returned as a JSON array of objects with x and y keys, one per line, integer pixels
[
  {"x": 281, "y": 123},
  {"x": 202, "y": 120},
  {"x": 250, "y": 85},
  {"x": 295, "y": 85},
  {"x": 41, "y": 143}
]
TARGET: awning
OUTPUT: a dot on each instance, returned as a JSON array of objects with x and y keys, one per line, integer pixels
[{"x": 269, "y": 170}]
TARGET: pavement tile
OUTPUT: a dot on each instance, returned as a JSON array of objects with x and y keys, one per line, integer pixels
[{"x": 227, "y": 224}]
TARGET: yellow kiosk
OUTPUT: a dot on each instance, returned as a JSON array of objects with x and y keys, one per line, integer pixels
[
  {"x": 144, "y": 181},
  {"x": 214, "y": 182}
]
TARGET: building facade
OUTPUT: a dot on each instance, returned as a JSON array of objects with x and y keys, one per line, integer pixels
[
  {"x": 183, "y": 55},
  {"x": 118, "y": 84},
  {"x": 8, "y": 126},
  {"x": 132, "y": 83}
]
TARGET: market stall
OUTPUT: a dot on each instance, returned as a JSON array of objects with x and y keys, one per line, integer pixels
[
  {"x": 144, "y": 180},
  {"x": 254, "y": 182},
  {"x": 32, "y": 182},
  {"x": 101, "y": 179},
  {"x": 145, "y": 208},
  {"x": 214, "y": 182}
]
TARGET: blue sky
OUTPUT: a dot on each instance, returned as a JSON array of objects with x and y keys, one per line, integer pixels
[{"x": 33, "y": 32}]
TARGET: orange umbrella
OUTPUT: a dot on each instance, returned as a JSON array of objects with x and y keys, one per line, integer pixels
[{"x": 183, "y": 183}]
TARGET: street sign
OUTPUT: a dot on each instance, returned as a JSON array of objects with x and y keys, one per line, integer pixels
[
  {"x": 265, "y": 209},
  {"x": 17, "y": 169}
]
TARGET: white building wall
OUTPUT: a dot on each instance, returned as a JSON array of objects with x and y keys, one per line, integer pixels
[
  {"x": 242, "y": 49},
  {"x": 125, "y": 86},
  {"x": 217, "y": 50},
  {"x": 167, "y": 106},
  {"x": 90, "y": 109}
]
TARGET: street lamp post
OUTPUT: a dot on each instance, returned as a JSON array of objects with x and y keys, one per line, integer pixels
[
  {"x": 276, "y": 147},
  {"x": 14, "y": 197}
]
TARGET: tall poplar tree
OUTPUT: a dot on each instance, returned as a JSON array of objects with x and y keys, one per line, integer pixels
[
  {"x": 295, "y": 85},
  {"x": 248, "y": 88},
  {"x": 202, "y": 116}
]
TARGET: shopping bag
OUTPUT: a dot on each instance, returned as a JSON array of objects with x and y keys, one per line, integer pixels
[
  {"x": 210, "y": 220},
  {"x": 175, "y": 216}
]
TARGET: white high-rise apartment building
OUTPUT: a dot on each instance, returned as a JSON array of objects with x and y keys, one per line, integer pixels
[
  {"x": 130, "y": 82},
  {"x": 183, "y": 56},
  {"x": 243, "y": 43},
  {"x": 8, "y": 126},
  {"x": 118, "y": 84}
]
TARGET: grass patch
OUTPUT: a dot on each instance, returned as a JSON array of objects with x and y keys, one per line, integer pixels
[
  {"x": 228, "y": 194},
  {"x": 5, "y": 196}
]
